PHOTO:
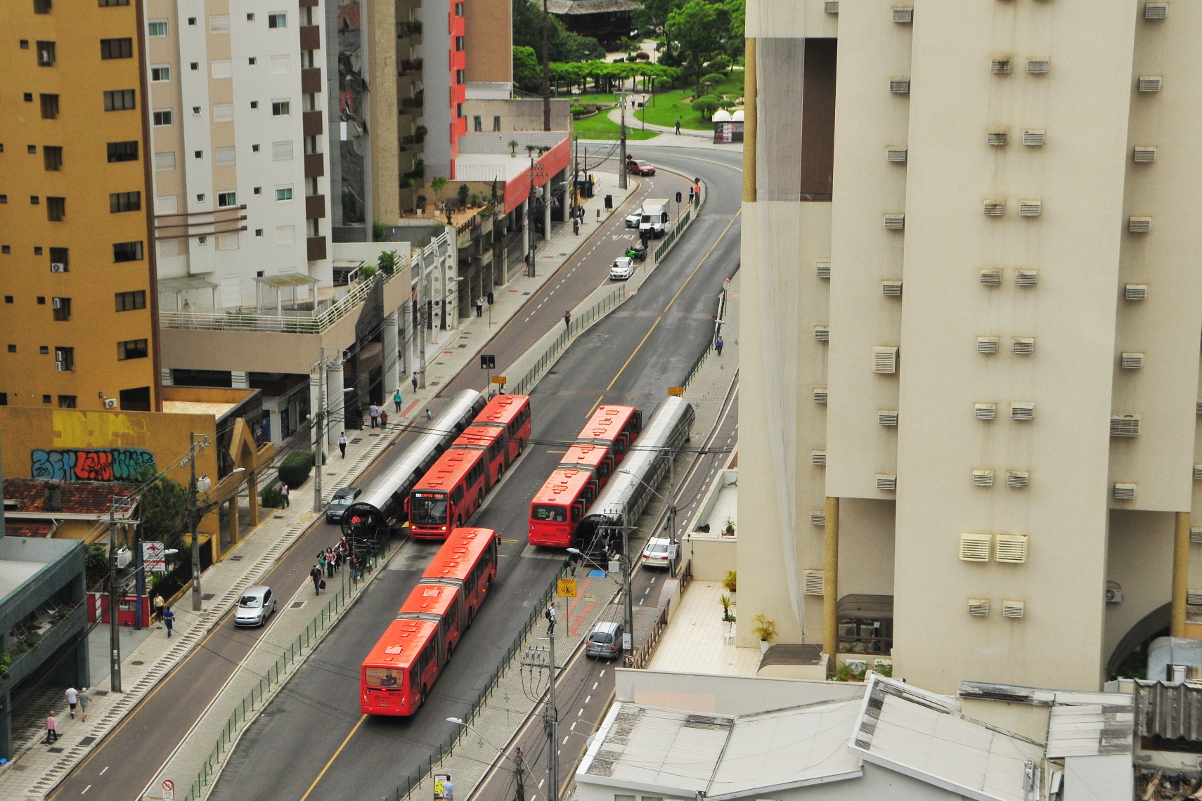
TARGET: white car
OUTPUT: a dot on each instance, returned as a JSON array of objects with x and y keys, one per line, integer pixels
[
  {"x": 634, "y": 219},
  {"x": 257, "y": 604},
  {"x": 657, "y": 553},
  {"x": 622, "y": 269}
]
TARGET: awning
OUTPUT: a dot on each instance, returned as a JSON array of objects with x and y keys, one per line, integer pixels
[
  {"x": 185, "y": 283},
  {"x": 283, "y": 280},
  {"x": 865, "y": 607}
]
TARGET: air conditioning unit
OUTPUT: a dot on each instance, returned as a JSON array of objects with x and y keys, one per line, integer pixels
[
  {"x": 1013, "y": 609},
  {"x": 884, "y": 360},
  {"x": 1022, "y": 411},
  {"x": 831, "y": 6},
  {"x": 997, "y": 137},
  {"x": 886, "y": 481},
  {"x": 824, "y": 269},
  {"x": 1034, "y": 137},
  {"x": 987, "y": 345},
  {"x": 978, "y": 607},
  {"x": 819, "y": 394},
  {"x": 1139, "y": 225},
  {"x": 56, "y": 303},
  {"x": 1193, "y": 597},
  {"x": 982, "y": 478},
  {"x": 1150, "y": 83},
  {"x": 1114, "y": 592},
  {"x": 1011, "y": 549},
  {"x": 1000, "y": 66},
  {"x": 1135, "y": 292},
  {"x": 818, "y": 519},
  {"x": 1026, "y": 277},
  {"x": 995, "y": 208},
  {"x": 110, "y": 403},
  {"x": 899, "y": 86},
  {"x": 1038, "y": 66},
  {"x": 1144, "y": 155},
  {"x": 897, "y": 155},
  {"x": 985, "y": 411},
  {"x": 1124, "y": 425},
  {"x": 1195, "y": 535},
  {"x": 975, "y": 547},
  {"x": 1198, "y": 406},
  {"x": 818, "y": 458},
  {"x": 1156, "y": 10},
  {"x": 1024, "y": 346},
  {"x": 1124, "y": 492},
  {"x": 991, "y": 277},
  {"x": 1030, "y": 208},
  {"x": 891, "y": 289},
  {"x": 895, "y": 222},
  {"x": 887, "y": 418},
  {"x": 1198, "y": 472},
  {"x": 903, "y": 15},
  {"x": 814, "y": 582},
  {"x": 58, "y": 267},
  {"x": 822, "y": 333},
  {"x": 1018, "y": 479},
  {"x": 1131, "y": 361}
]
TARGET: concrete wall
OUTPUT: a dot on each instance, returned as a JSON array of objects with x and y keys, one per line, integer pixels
[
  {"x": 488, "y": 39},
  {"x": 518, "y": 114}
]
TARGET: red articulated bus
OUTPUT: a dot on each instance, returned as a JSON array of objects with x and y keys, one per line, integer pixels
[
  {"x": 491, "y": 441},
  {"x": 615, "y": 426},
  {"x": 511, "y": 413},
  {"x": 447, "y": 495},
  {"x": 595, "y": 458},
  {"x": 399, "y": 671},
  {"x": 560, "y": 505}
]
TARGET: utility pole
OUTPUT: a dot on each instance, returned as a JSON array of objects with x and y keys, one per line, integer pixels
[
  {"x": 519, "y": 775},
  {"x": 622, "y": 147},
  {"x": 672, "y": 513},
  {"x": 546, "y": 78},
  {"x": 195, "y": 525},
  {"x": 552, "y": 715},
  {"x": 421, "y": 324},
  {"x": 139, "y": 576},
  {"x": 114, "y": 623}
]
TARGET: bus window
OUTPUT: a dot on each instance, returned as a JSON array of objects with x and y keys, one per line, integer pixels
[
  {"x": 577, "y": 511},
  {"x": 428, "y": 509},
  {"x": 548, "y": 513},
  {"x": 383, "y": 677}
]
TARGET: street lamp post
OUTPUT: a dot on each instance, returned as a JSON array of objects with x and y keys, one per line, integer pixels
[{"x": 671, "y": 508}]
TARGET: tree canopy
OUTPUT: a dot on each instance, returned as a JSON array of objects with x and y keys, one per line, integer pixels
[{"x": 562, "y": 44}]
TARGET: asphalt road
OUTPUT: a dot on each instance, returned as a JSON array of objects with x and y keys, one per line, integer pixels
[{"x": 311, "y": 742}]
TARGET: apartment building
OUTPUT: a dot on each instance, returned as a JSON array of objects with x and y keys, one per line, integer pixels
[
  {"x": 971, "y": 333},
  {"x": 77, "y": 268}
]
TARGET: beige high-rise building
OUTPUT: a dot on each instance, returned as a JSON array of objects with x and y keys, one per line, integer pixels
[{"x": 971, "y": 333}]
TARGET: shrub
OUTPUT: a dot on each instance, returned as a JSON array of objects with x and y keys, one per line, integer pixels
[
  {"x": 272, "y": 498},
  {"x": 294, "y": 470},
  {"x": 705, "y": 106},
  {"x": 464, "y": 191}
]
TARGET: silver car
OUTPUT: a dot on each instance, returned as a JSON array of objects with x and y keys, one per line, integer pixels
[
  {"x": 605, "y": 640},
  {"x": 257, "y": 604},
  {"x": 635, "y": 217}
]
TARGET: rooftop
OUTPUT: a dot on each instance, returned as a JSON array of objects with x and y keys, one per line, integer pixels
[{"x": 27, "y": 496}]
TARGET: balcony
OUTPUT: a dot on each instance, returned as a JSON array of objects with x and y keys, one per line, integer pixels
[
  {"x": 315, "y": 209},
  {"x": 316, "y": 248},
  {"x": 411, "y": 28},
  {"x": 315, "y": 165},
  {"x": 310, "y": 37},
  {"x": 409, "y": 66},
  {"x": 312, "y": 123},
  {"x": 311, "y": 80},
  {"x": 413, "y": 103}
]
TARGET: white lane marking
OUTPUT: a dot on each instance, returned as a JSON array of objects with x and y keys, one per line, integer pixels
[
  {"x": 84, "y": 790},
  {"x": 565, "y": 740},
  {"x": 106, "y": 768},
  {"x": 587, "y": 699},
  {"x": 581, "y": 712},
  {"x": 595, "y": 683}
]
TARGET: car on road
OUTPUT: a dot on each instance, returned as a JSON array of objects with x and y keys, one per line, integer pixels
[
  {"x": 639, "y": 167},
  {"x": 657, "y": 552},
  {"x": 256, "y": 605},
  {"x": 637, "y": 251},
  {"x": 341, "y": 500},
  {"x": 622, "y": 268},
  {"x": 605, "y": 640},
  {"x": 634, "y": 218}
]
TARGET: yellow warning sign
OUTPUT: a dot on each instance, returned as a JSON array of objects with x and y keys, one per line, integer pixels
[{"x": 567, "y": 588}]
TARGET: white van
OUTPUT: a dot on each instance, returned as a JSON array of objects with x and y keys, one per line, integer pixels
[{"x": 655, "y": 218}]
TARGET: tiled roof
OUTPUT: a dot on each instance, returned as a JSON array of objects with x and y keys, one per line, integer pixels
[
  {"x": 79, "y": 497},
  {"x": 28, "y": 528}
]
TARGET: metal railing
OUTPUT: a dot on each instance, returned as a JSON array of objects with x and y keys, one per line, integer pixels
[
  {"x": 303, "y": 323},
  {"x": 677, "y": 230},
  {"x": 278, "y": 672},
  {"x": 576, "y": 326},
  {"x": 700, "y": 362}
]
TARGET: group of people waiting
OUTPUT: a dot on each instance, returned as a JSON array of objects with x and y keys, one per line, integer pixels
[{"x": 331, "y": 560}]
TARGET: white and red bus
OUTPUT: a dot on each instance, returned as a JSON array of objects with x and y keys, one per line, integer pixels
[
  {"x": 400, "y": 670},
  {"x": 614, "y": 426},
  {"x": 446, "y": 496}
]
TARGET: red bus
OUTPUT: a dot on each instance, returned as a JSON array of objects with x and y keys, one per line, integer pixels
[
  {"x": 399, "y": 671},
  {"x": 447, "y": 495},
  {"x": 511, "y": 413},
  {"x": 615, "y": 426},
  {"x": 592, "y": 457},
  {"x": 468, "y": 560},
  {"x": 493, "y": 442},
  {"x": 560, "y": 505}
]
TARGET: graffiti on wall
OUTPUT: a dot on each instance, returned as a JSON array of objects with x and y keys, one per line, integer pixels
[{"x": 78, "y": 464}]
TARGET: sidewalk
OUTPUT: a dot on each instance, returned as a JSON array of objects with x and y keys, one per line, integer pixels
[{"x": 37, "y": 769}]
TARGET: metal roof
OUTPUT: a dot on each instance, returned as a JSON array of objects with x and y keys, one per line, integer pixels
[
  {"x": 185, "y": 283},
  {"x": 1091, "y": 729},
  {"x": 285, "y": 280},
  {"x": 1171, "y": 711}
]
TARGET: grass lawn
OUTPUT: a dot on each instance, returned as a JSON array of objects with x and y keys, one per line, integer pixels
[
  {"x": 599, "y": 126},
  {"x": 666, "y": 108}
]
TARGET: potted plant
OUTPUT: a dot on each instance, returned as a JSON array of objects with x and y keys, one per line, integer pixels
[
  {"x": 727, "y": 615},
  {"x": 421, "y": 204},
  {"x": 765, "y": 629},
  {"x": 513, "y": 148},
  {"x": 730, "y": 582},
  {"x": 729, "y": 531}
]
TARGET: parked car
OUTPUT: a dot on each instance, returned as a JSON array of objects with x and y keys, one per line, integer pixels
[
  {"x": 639, "y": 167},
  {"x": 605, "y": 640},
  {"x": 637, "y": 251},
  {"x": 632, "y": 221},
  {"x": 256, "y": 605},
  {"x": 657, "y": 552},
  {"x": 622, "y": 268},
  {"x": 341, "y": 500}
]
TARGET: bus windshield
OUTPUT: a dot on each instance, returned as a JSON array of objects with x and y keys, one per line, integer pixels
[
  {"x": 548, "y": 513},
  {"x": 428, "y": 509},
  {"x": 384, "y": 677}
]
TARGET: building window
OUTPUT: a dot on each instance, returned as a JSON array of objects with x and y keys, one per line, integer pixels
[
  {"x": 283, "y": 193},
  {"x": 8, "y": 298},
  {"x": 3, "y": 398},
  {"x": 458, "y": 76},
  {"x": 116, "y": 48},
  {"x": 56, "y": 208},
  {"x": 123, "y": 151},
  {"x": 162, "y": 117},
  {"x": 3, "y": 200},
  {"x": 24, "y": 44},
  {"x": 459, "y": 9},
  {"x": 64, "y": 360},
  {"x": 125, "y": 201},
  {"x": 157, "y": 27},
  {"x": 194, "y": 66},
  {"x": 477, "y": 124},
  {"x": 250, "y": 17},
  {"x": 252, "y": 60},
  {"x": 59, "y": 262},
  {"x": 34, "y": 200},
  {"x": 31, "y": 149},
  {"x": 41, "y": 6},
  {"x": 12, "y": 348},
  {"x": 277, "y": 20},
  {"x": 127, "y": 251},
  {"x": 280, "y": 108},
  {"x": 37, "y": 250},
  {"x": 66, "y": 401},
  {"x": 164, "y": 161},
  {"x": 107, "y": 3},
  {"x": 61, "y": 308},
  {"x": 131, "y": 301},
  {"x": 52, "y": 157},
  {"x": 458, "y": 43},
  {"x": 160, "y": 74},
  {"x": 45, "y": 399},
  {"x": 227, "y": 198},
  {"x": 41, "y": 299},
  {"x": 132, "y": 349},
  {"x": 496, "y": 122},
  {"x": 46, "y": 56},
  {"x": 119, "y": 100},
  {"x": 49, "y": 107}
]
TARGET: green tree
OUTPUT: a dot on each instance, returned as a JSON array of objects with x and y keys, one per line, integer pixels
[
  {"x": 698, "y": 30},
  {"x": 294, "y": 470},
  {"x": 527, "y": 73},
  {"x": 706, "y": 106},
  {"x": 387, "y": 261},
  {"x": 163, "y": 508},
  {"x": 562, "y": 44}
]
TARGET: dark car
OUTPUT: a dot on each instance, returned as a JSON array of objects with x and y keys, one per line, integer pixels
[
  {"x": 341, "y": 500},
  {"x": 639, "y": 167},
  {"x": 637, "y": 251}
]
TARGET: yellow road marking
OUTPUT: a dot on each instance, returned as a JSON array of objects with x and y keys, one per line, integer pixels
[{"x": 331, "y": 762}]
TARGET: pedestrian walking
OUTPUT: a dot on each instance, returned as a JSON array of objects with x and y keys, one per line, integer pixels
[
  {"x": 168, "y": 619},
  {"x": 329, "y": 563},
  {"x": 397, "y": 400},
  {"x": 576, "y": 226},
  {"x": 718, "y": 345},
  {"x": 678, "y": 127},
  {"x": 374, "y": 412},
  {"x": 51, "y": 729},
  {"x": 315, "y": 574},
  {"x": 429, "y": 416},
  {"x": 690, "y": 194},
  {"x": 321, "y": 561},
  {"x": 354, "y": 569},
  {"x": 158, "y": 604},
  {"x": 479, "y": 307},
  {"x": 84, "y": 700},
  {"x": 383, "y": 418},
  {"x": 284, "y": 493},
  {"x": 72, "y": 696},
  {"x": 413, "y": 381},
  {"x": 342, "y": 443},
  {"x": 567, "y": 319}
]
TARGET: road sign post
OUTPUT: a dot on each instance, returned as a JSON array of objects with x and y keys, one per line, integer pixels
[{"x": 168, "y": 790}]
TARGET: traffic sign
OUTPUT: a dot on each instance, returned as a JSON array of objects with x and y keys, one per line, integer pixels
[
  {"x": 567, "y": 588},
  {"x": 153, "y": 557},
  {"x": 168, "y": 789},
  {"x": 499, "y": 379},
  {"x": 725, "y": 281},
  {"x": 675, "y": 392},
  {"x": 488, "y": 361}
]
